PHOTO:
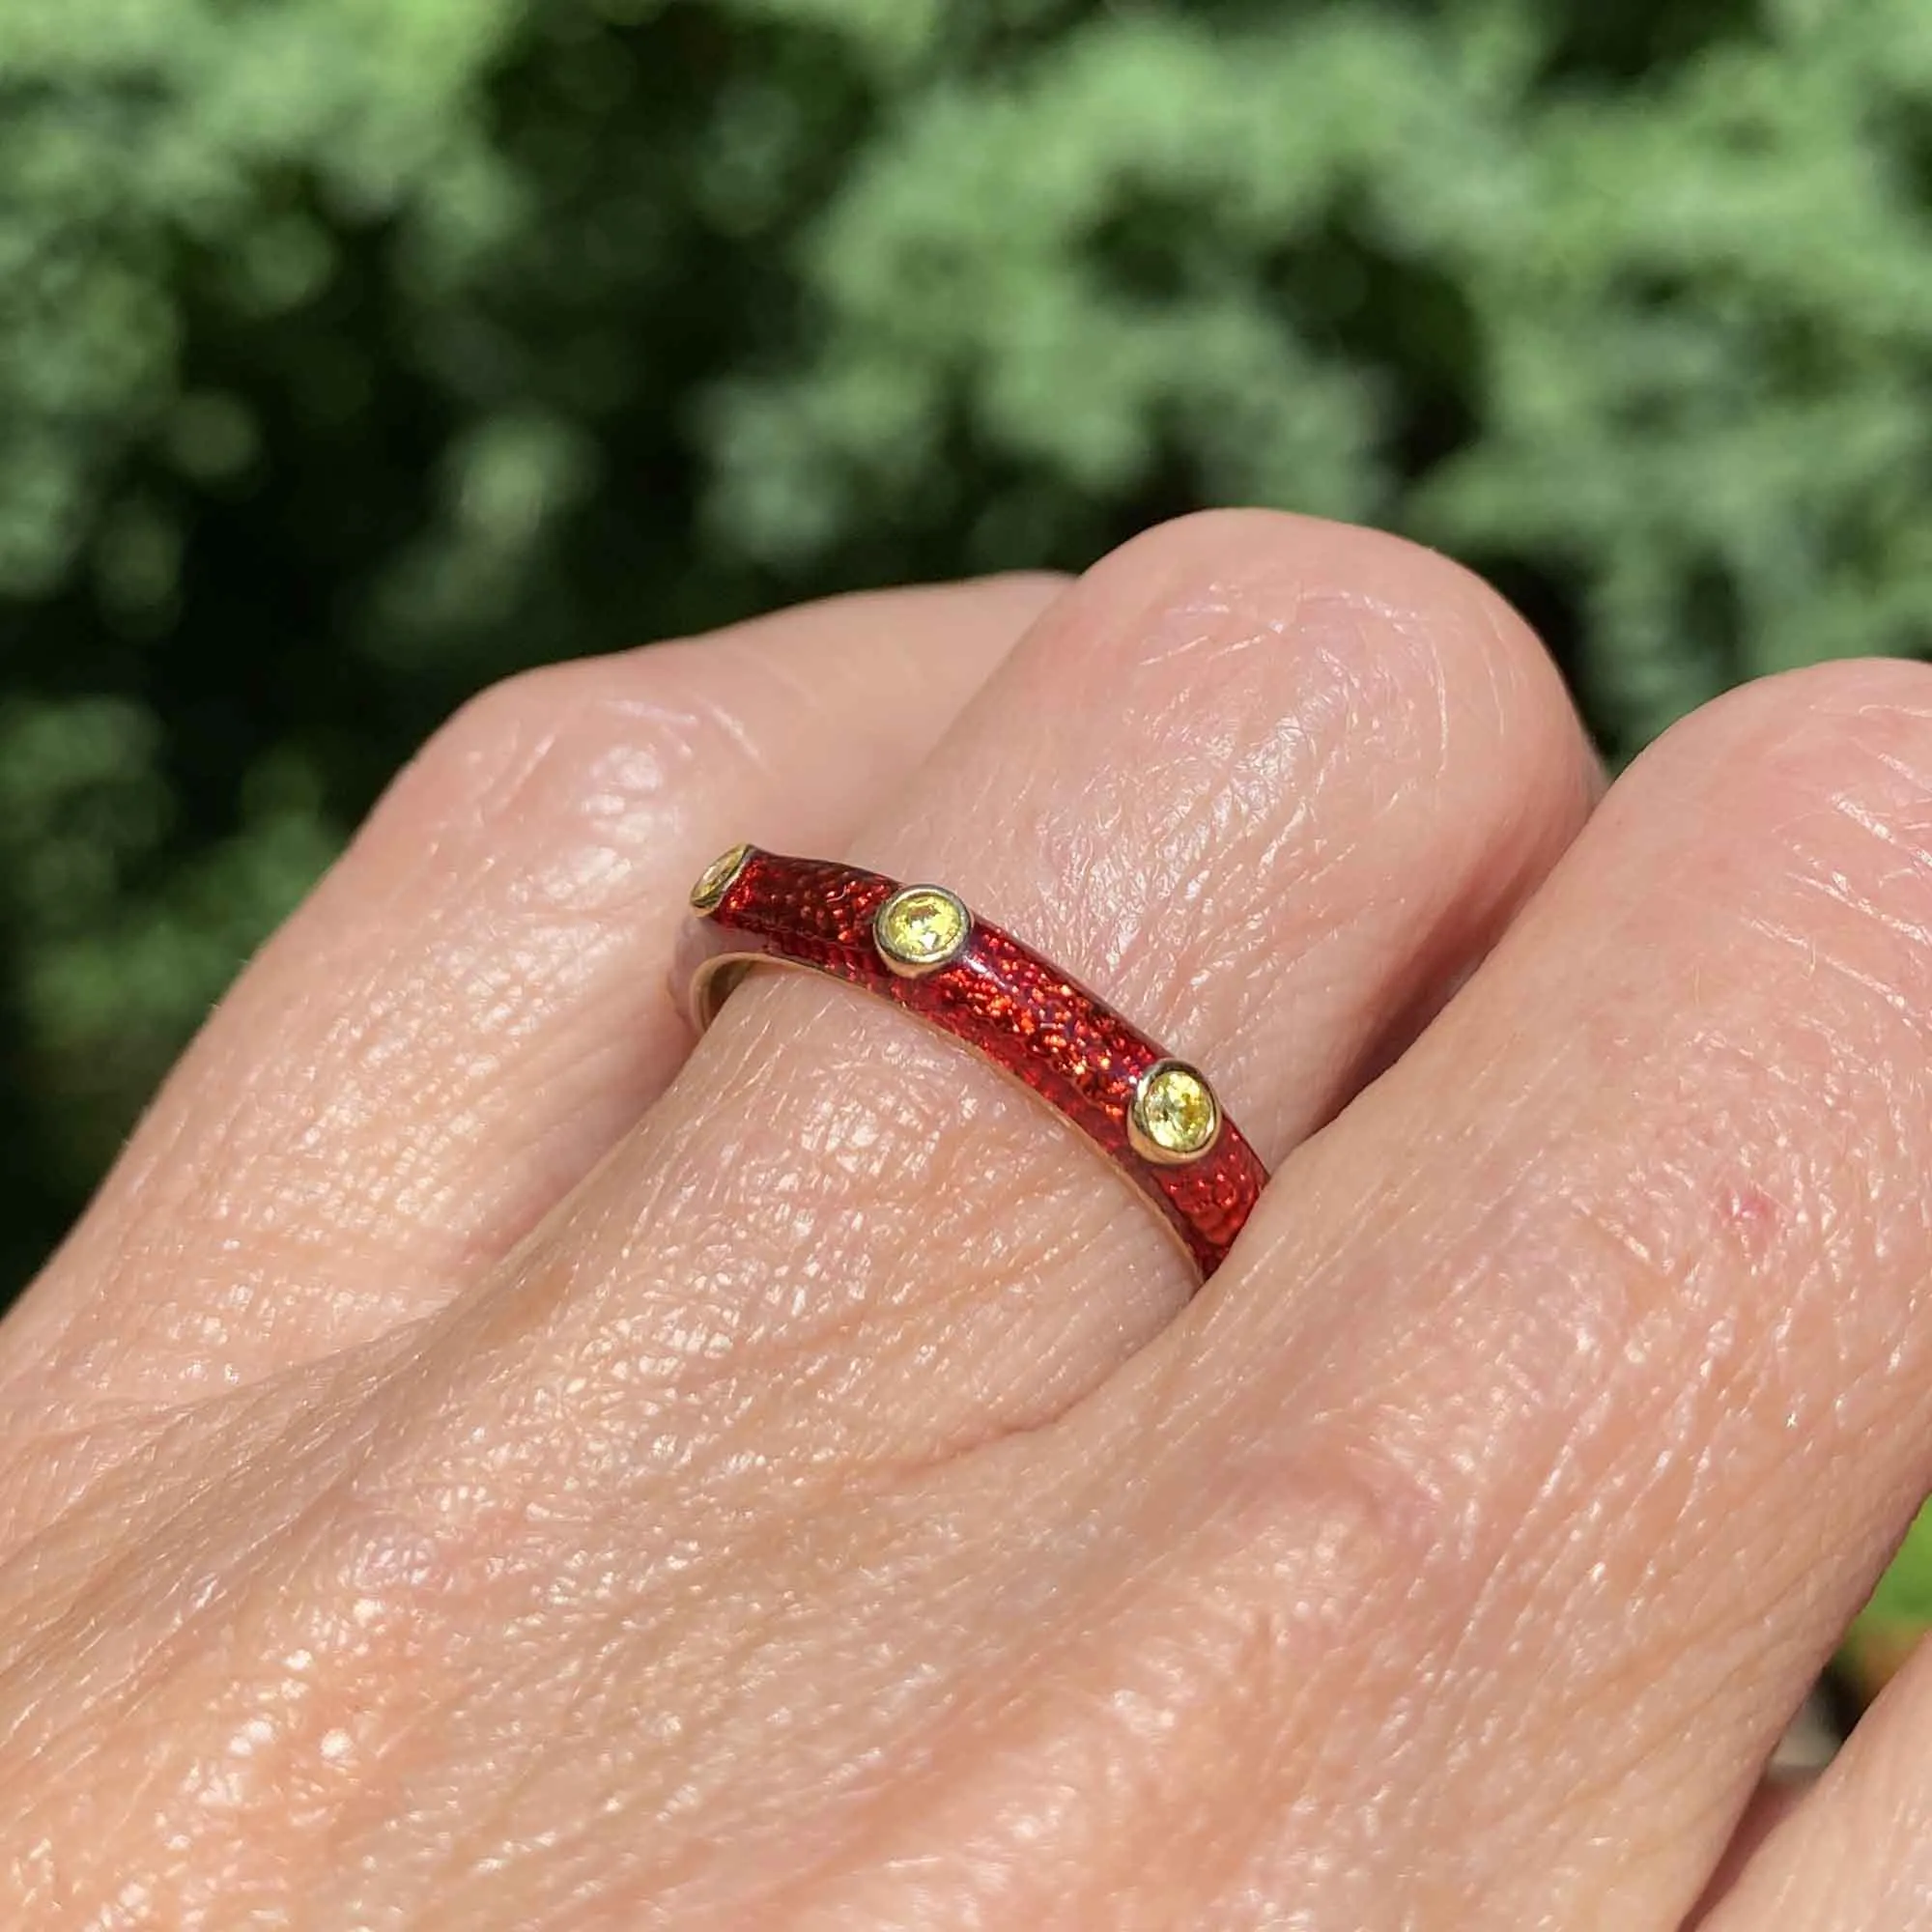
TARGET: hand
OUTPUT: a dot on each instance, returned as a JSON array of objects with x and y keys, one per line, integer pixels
[{"x": 484, "y": 1463}]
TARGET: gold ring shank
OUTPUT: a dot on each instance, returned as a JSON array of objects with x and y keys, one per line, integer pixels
[{"x": 713, "y": 981}]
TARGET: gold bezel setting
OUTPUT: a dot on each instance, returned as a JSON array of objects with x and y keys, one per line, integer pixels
[
  {"x": 718, "y": 879},
  {"x": 1175, "y": 1116},
  {"x": 920, "y": 929}
]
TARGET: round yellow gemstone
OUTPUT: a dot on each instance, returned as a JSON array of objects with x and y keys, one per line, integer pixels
[
  {"x": 1176, "y": 1112},
  {"x": 921, "y": 928},
  {"x": 715, "y": 881}
]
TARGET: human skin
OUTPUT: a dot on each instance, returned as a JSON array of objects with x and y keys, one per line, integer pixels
[{"x": 488, "y": 1460}]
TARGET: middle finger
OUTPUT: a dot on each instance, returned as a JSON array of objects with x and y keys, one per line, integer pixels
[{"x": 1595, "y": 1339}]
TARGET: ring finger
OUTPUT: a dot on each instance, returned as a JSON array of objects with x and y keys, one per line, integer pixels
[{"x": 1269, "y": 784}]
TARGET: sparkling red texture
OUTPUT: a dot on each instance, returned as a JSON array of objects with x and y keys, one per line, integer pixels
[{"x": 1000, "y": 998}]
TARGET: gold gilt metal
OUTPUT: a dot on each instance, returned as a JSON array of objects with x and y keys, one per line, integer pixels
[
  {"x": 716, "y": 879},
  {"x": 1174, "y": 1117},
  {"x": 920, "y": 929}
]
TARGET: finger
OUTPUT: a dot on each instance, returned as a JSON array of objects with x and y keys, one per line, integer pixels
[
  {"x": 1856, "y": 1854},
  {"x": 1593, "y": 1341},
  {"x": 472, "y": 1007},
  {"x": 1271, "y": 786},
  {"x": 1778, "y": 1799}
]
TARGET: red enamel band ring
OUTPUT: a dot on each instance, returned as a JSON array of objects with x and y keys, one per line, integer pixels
[{"x": 1156, "y": 1118}]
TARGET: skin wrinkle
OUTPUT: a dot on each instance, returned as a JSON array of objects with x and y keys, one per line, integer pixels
[
  {"x": 901, "y": 1171},
  {"x": 1211, "y": 778},
  {"x": 1815, "y": 956},
  {"x": 1473, "y": 1654},
  {"x": 1096, "y": 1751},
  {"x": 1647, "y": 1261},
  {"x": 1306, "y": 790},
  {"x": 729, "y": 1676},
  {"x": 1607, "y": 1713},
  {"x": 69, "y": 1534}
]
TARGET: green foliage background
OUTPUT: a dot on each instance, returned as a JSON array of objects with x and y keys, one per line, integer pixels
[{"x": 355, "y": 351}]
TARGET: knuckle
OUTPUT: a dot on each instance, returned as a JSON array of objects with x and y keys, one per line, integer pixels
[
  {"x": 1818, "y": 816},
  {"x": 1346, "y": 1532},
  {"x": 495, "y": 733},
  {"x": 1241, "y": 543},
  {"x": 603, "y": 748},
  {"x": 1409, "y": 638},
  {"x": 1812, "y": 736},
  {"x": 1821, "y": 722}
]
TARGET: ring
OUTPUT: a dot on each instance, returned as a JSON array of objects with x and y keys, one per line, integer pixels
[{"x": 1154, "y": 1115}]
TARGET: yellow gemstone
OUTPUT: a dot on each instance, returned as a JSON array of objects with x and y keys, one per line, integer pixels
[
  {"x": 1176, "y": 1111},
  {"x": 921, "y": 928},
  {"x": 715, "y": 881}
]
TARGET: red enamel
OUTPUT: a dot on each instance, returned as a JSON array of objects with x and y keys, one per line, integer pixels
[{"x": 1000, "y": 998}]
